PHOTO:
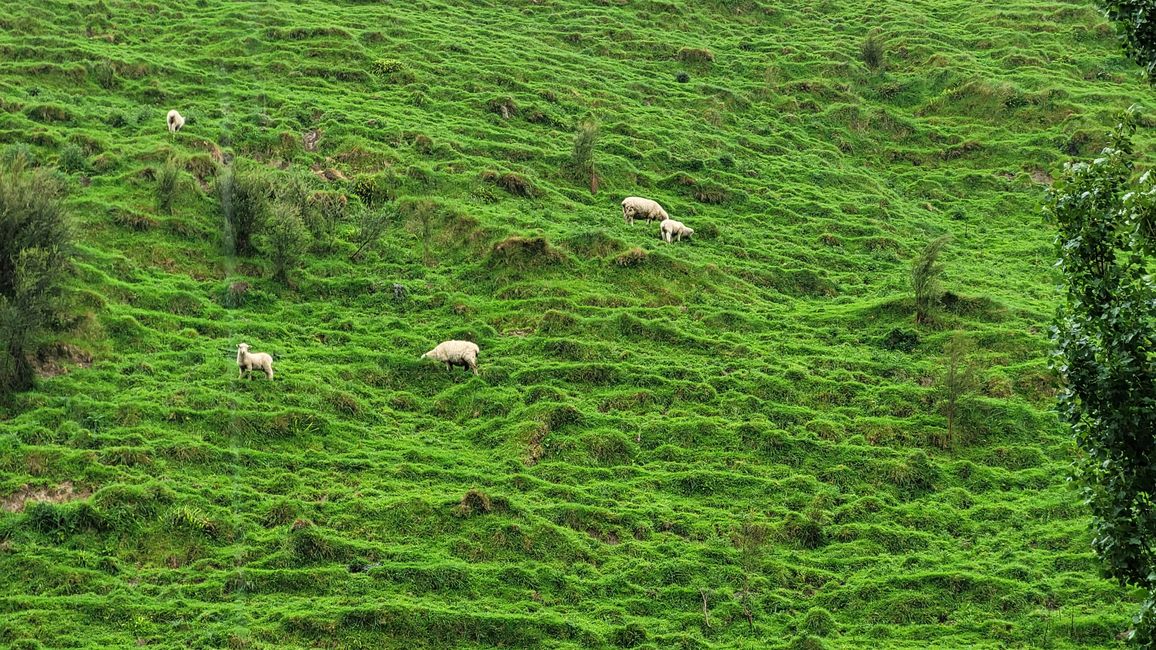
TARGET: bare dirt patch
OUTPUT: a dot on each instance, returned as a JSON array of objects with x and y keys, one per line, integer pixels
[
  {"x": 58, "y": 359},
  {"x": 62, "y": 493}
]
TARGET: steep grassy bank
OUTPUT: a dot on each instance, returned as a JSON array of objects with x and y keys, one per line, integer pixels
[{"x": 731, "y": 442}]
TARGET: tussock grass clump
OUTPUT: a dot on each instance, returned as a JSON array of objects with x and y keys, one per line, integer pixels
[
  {"x": 926, "y": 272},
  {"x": 633, "y": 257},
  {"x": 594, "y": 243},
  {"x": 309, "y": 544},
  {"x": 900, "y": 339},
  {"x": 512, "y": 182},
  {"x": 695, "y": 55},
  {"x": 819, "y": 622},
  {"x": 804, "y": 531},
  {"x": 474, "y": 502},
  {"x": 522, "y": 253},
  {"x": 504, "y": 106},
  {"x": 582, "y": 154},
  {"x": 872, "y": 51},
  {"x": 168, "y": 186}
]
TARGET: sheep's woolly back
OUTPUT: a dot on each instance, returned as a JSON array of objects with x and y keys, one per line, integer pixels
[
  {"x": 175, "y": 121},
  {"x": 670, "y": 228},
  {"x": 649, "y": 209},
  {"x": 454, "y": 351}
]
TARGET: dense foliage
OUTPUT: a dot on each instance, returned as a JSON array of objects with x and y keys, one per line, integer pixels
[
  {"x": 35, "y": 247},
  {"x": 1135, "y": 22},
  {"x": 1106, "y": 355}
]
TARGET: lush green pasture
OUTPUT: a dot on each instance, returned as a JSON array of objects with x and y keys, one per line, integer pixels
[{"x": 716, "y": 443}]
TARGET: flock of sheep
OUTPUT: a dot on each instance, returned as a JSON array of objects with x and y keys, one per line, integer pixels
[{"x": 462, "y": 353}]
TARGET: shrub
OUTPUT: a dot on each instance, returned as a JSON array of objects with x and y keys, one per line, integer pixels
[
  {"x": 286, "y": 238},
  {"x": 872, "y": 52},
  {"x": 925, "y": 274},
  {"x": 294, "y": 192},
  {"x": 328, "y": 211},
  {"x": 18, "y": 154},
  {"x": 72, "y": 159},
  {"x": 34, "y": 254},
  {"x": 168, "y": 186},
  {"x": 682, "y": 77},
  {"x": 243, "y": 197},
  {"x": 371, "y": 227}
]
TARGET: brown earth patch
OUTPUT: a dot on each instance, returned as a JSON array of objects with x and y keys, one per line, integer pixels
[{"x": 62, "y": 493}]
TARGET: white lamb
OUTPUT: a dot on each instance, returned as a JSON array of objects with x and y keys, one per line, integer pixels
[
  {"x": 670, "y": 229},
  {"x": 636, "y": 206},
  {"x": 175, "y": 121},
  {"x": 248, "y": 361},
  {"x": 456, "y": 353}
]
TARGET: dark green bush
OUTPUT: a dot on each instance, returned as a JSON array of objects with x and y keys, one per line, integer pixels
[
  {"x": 243, "y": 197},
  {"x": 35, "y": 253}
]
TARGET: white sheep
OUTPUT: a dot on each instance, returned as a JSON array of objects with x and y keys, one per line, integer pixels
[
  {"x": 247, "y": 361},
  {"x": 455, "y": 353},
  {"x": 669, "y": 229},
  {"x": 175, "y": 121},
  {"x": 636, "y": 206}
]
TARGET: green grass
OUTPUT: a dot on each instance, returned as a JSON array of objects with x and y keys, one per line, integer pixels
[{"x": 704, "y": 444}]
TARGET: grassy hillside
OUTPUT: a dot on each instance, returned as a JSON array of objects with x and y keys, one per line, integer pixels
[{"x": 732, "y": 442}]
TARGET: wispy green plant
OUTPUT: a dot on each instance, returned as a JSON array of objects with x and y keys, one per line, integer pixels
[{"x": 926, "y": 272}]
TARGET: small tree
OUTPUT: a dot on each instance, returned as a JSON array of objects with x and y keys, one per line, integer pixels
[
  {"x": 294, "y": 191},
  {"x": 582, "y": 155},
  {"x": 35, "y": 250},
  {"x": 925, "y": 274},
  {"x": 1136, "y": 25},
  {"x": 956, "y": 384},
  {"x": 1105, "y": 340},
  {"x": 243, "y": 196},
  {"x": 286, "y": 238},
  {"x": 371, "y": 227}
]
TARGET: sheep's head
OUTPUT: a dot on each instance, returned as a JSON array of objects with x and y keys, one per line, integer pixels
[
  {"x": 242, "y": 347},
  {"x": 427, "y": 354},
  {"x": 689, "y": 232}
]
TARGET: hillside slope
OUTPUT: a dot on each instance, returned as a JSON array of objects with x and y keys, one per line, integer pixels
[{"x": 727, "y": 442}]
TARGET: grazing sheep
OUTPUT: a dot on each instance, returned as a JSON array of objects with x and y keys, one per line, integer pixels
[
  {"x": 176, "y": 121},
  {"x": 636, "y": 206},
  {"x": 456, "y": 353},
  {"x": 670, "y": 229},
  {"x": 247, "y": 361}
]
